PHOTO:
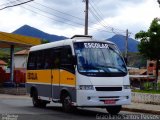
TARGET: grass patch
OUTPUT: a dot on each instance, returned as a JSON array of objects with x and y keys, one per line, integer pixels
[{"x": 147, "y": 91}]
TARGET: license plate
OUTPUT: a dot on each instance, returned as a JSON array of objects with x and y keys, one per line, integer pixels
[{"x": 109, "y": 102}]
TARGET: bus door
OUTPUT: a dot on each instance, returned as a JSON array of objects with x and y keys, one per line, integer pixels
[
  {"x": 67, "y": 71},
  {"x": 55, "y": 81},
  {"x": 67, "y": 68}
]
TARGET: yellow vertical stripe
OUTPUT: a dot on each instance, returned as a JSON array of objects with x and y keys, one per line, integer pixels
[{"x": 67, "y": 78}]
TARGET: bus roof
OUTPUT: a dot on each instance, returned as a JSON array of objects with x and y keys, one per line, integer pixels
[{"x": 66, "y": 42}]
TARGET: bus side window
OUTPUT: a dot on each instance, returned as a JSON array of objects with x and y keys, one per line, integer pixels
[
  {"x": 48, "y": 59},
  {"x": 56, "y": 58},
  {"x": 40, "y": 60},
  {"x": 31, "y": 61},
  {"x": 66, "y": 59}
]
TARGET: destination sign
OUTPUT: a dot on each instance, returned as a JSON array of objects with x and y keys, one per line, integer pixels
[{"x": 95, "y": 45}]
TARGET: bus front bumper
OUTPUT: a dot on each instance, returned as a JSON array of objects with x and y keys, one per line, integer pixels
[{"x": 91, "y": 98}]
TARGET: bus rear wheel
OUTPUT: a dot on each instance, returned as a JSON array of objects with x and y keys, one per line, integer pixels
[
  {"x": 37, "y": 102},
  {"x": 114, "y": 110},
  {"x": 35, "y": 99},
  {"x": 66, "y": 103}
]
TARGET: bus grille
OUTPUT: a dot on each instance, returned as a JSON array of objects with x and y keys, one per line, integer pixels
[{"x": 108, "y": 88}]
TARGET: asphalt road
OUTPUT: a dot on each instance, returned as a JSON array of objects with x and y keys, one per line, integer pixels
[{"x": 20, "y": 108}]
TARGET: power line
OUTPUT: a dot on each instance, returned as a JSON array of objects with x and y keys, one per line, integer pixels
[
  {"x": 68, "y": 15},
  {"x": 64, "y": 13},
  {"x": 59, "y": 17},
  {"x": 98, "y": 20},
  {"x": 101, "y": 30},
  {"x": 7, "y": 3},
  {"x": 49, "y": 17},
  {"x": 98, "y": 17},
  {"x": 52, "y": 13},
  {"x": 111, "y": 31},
  {"x": 96, "y": 7},
  {"x": 55, "y": 15},
  {"x": 58, "y": 11},
  {"x": 91, "y": 28},
  {"x": 16, "y": 4}
]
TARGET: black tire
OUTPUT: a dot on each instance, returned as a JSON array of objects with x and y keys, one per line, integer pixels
[
  {"x": 66, "y": 103},
  {"x": 37, "y": 102},
  {"x": 114, "y": 110}
]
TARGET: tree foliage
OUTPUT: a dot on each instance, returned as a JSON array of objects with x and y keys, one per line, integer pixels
[{"x": 149, "y": 46}]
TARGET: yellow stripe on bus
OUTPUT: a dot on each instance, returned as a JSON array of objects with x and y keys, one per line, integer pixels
[
  {"x": 42, "y": 76},
  {"x": 61, "y": 77}
]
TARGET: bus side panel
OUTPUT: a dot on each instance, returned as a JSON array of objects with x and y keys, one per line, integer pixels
[
  {"x": 55, "y": 84},
  {"x": 63, "y": 80},
  {"x": 41, "y": 80},
  {"x": 68, "y": 82},
  {"x": 67, "y": 78}
]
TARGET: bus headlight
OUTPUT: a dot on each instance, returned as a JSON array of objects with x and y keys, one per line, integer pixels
[
  {"x": 126, "y": 86},
  {"x": 86, "y": 87}
]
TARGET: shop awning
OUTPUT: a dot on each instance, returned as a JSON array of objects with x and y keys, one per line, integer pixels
[{"x": 8, "y": 39}]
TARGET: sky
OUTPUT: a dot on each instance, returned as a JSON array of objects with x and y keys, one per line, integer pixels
[{"x": 66, "y": 17}]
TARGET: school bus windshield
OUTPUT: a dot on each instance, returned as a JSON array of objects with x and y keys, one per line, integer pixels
[{"x": 97, "y": 58}]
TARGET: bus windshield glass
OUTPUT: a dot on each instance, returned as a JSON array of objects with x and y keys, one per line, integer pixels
[{"x": 99, "y": 58}]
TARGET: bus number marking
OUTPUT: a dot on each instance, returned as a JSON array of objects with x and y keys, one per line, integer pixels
[{"x": 70, "y": 78}]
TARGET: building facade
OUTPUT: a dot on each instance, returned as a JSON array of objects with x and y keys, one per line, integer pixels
[{"x": 20, "y": 59}]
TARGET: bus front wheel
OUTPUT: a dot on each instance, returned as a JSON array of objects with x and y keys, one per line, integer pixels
[
  {"x": 114, "y": 110},
  {"x": 66, "y": 102}
]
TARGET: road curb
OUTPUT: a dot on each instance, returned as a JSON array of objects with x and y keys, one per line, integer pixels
[
  {"x": 141, "y": 110},
  {"x": 13, "y": 91}
]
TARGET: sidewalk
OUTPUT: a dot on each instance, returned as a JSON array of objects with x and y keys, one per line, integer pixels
[
  {"x": 143, "y": 108},
  {"x": 8, "y": 96}
]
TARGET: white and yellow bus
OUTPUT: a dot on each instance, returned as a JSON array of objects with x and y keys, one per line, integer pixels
[{"x": 78, "y": 72}]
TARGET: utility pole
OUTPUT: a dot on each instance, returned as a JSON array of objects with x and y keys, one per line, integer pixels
[
  {"x": 86, "y": 18},
  {"x": 126, "y": 47}
]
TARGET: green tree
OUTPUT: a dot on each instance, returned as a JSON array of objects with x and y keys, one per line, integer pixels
[{"x": 149, "y": 46}]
